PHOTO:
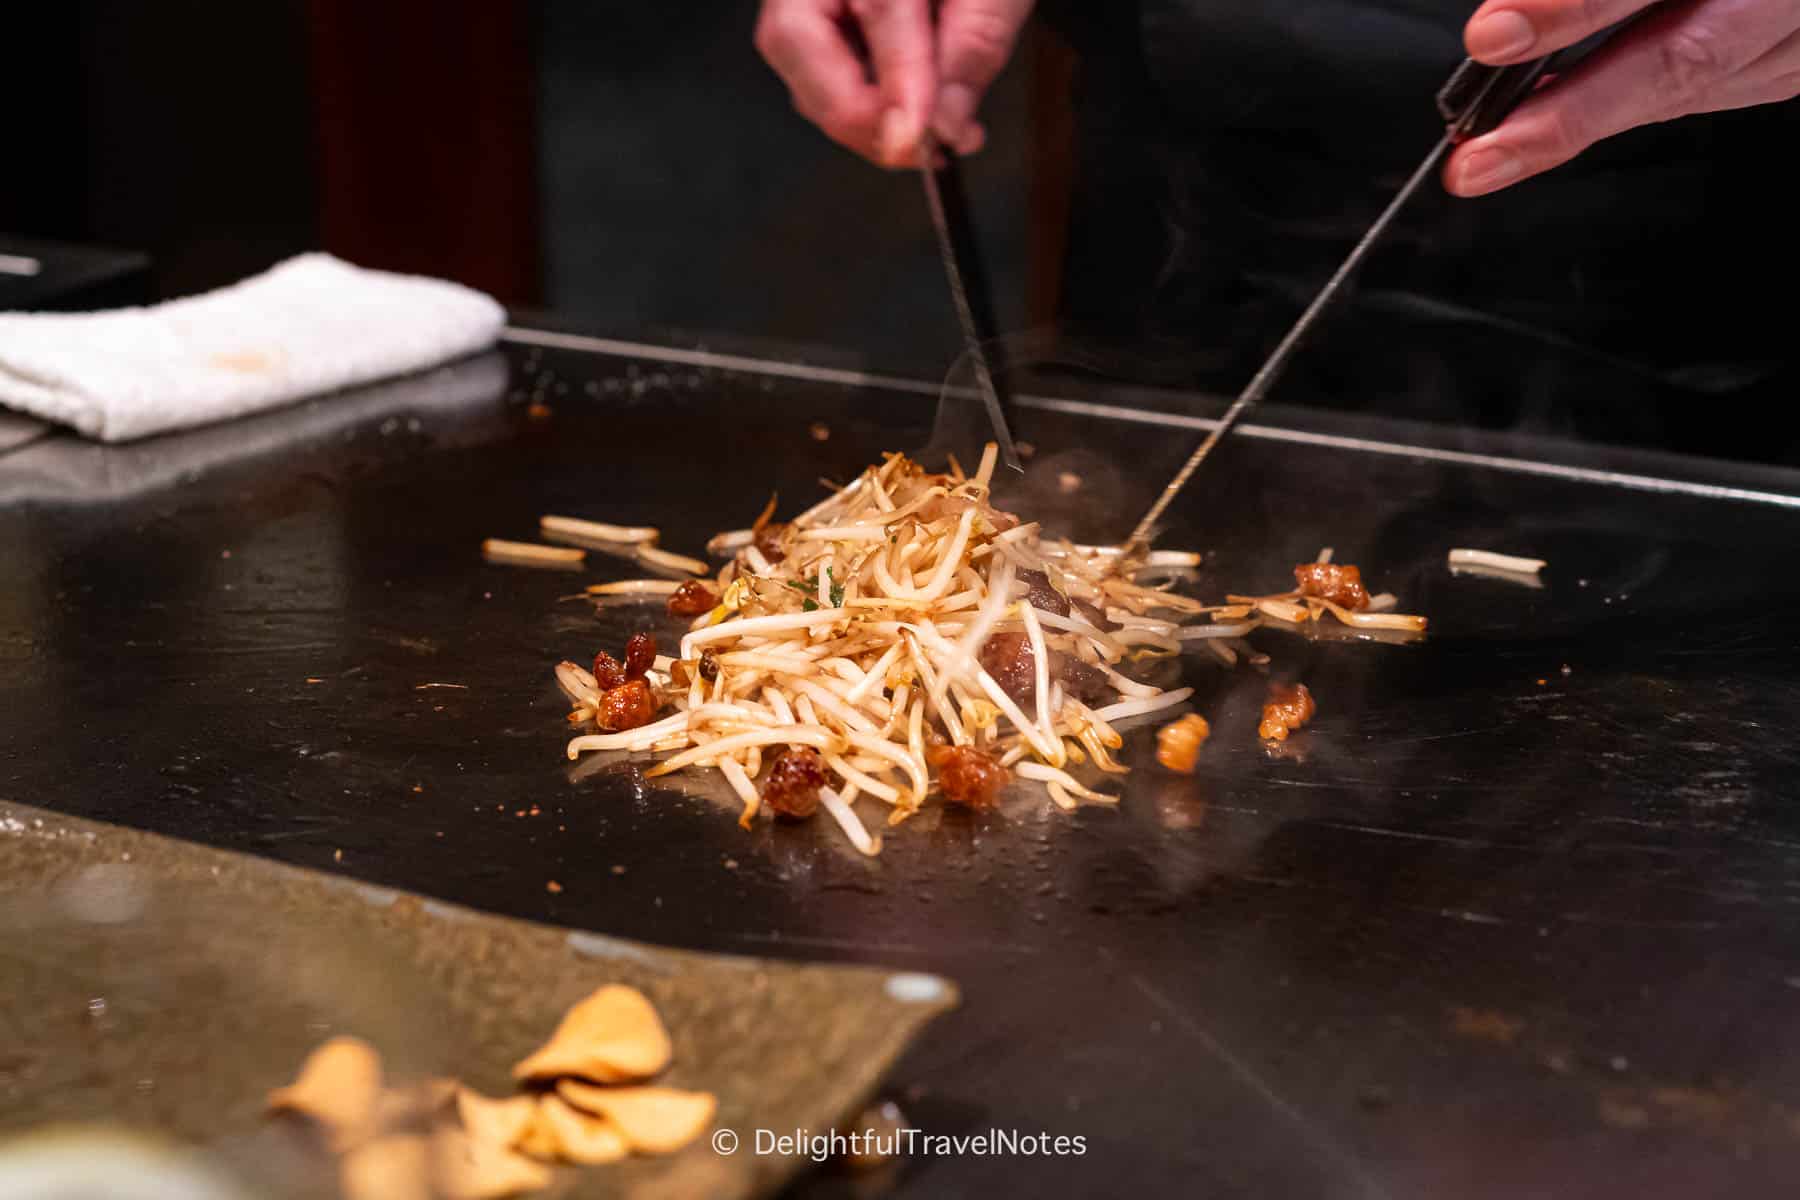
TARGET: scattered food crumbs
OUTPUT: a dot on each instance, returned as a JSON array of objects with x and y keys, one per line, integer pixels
[
  {"x": 1622, "y": 1114},
  {"x": 821, "y": 432},
  {"x": 554, "y": 888},
  {"x": 1485, "y": 1024}
]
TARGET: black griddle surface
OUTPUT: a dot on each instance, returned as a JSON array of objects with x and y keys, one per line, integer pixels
[{"x": 1519, "y": 914}]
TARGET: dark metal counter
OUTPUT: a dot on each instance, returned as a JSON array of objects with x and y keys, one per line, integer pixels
[{"x": 1519, "y": 915}]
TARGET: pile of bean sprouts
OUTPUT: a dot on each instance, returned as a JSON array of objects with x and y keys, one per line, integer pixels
[{"x": 861, "y": 639}]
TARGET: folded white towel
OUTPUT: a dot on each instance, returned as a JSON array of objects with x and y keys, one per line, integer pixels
[{"x": 309, "y": 325}]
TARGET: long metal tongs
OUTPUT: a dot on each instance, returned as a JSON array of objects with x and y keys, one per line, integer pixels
[
  {"x": 1475, "y": 100},
  {"x": 949, "y": 207}
]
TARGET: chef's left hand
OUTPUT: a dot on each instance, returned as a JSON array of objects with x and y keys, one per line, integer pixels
[{"x": 1688, "y": 56}]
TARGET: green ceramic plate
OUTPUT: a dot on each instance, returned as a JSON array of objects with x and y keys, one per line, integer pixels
[{"x": 157, "y": 988}]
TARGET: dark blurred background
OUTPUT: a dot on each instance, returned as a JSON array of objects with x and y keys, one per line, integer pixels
[
  {"x": 636, "y": 170},
  {"x": 634, "y": 166}
]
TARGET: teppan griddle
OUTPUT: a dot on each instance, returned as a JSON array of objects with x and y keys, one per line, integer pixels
[{"x": 1519, "y": 914}]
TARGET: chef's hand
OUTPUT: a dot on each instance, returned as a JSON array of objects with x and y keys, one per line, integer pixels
[
  {"x": 1688, "y": 56},
  {"x": 923, "y": 77}
]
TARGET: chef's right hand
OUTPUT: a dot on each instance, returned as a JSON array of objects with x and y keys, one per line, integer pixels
[{"x": 922, "y": 77}]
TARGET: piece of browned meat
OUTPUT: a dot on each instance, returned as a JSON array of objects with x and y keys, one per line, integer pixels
[
  {"x": 627, "y": 706},
  {"x": 1008, "y": 658},
  {"x": 1289, "y": 707},
  {"x": 768, "y": 541},
  {"x": 1043, "y": 594},
  {"x": 692, "y": 599},
  {"x": 607, "y": 671},
  {"x": 1178, "y": 743},
  {"x": 640, "y": 655},
  {"x": 969, "y": 777},
  {"x": 1339, "y": 583},
  {"x": 791, "y": 788}
]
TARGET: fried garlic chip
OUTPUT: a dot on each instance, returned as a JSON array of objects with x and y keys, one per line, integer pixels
[
  {"x": 581, "y": 1137},
  {"x": 614, "y": 1036},
  {"x": 467, "y": 1169},
  {"x": 494, "y": 1122},
  {"x": 655, "y": 1120},
  {"x": 339, "y": 1087},
  {"x": 538, "y": 1138},
  {"x": 414, "y": 1105},
  {"x": 397, "y": 1167}
]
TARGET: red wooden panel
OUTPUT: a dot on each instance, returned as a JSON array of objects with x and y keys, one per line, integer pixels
[{"x": 426, "y": 139}]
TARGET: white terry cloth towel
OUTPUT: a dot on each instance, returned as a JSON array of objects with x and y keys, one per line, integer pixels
[{"x": 309, "y": 325}]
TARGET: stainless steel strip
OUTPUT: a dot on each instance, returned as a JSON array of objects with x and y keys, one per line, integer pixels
[
  {"x": 843, "y": 377},
  {"x": 720, "y": 362},
  {"x": 1465, "y": 458}
]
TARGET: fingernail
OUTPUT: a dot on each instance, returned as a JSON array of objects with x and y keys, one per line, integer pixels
[
  {"x": 1501, "y": 36},
  {"x": 896, "y": 137},
  {"x": 955, "y": 109},
  {"x": 1488, "y": 170}
]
